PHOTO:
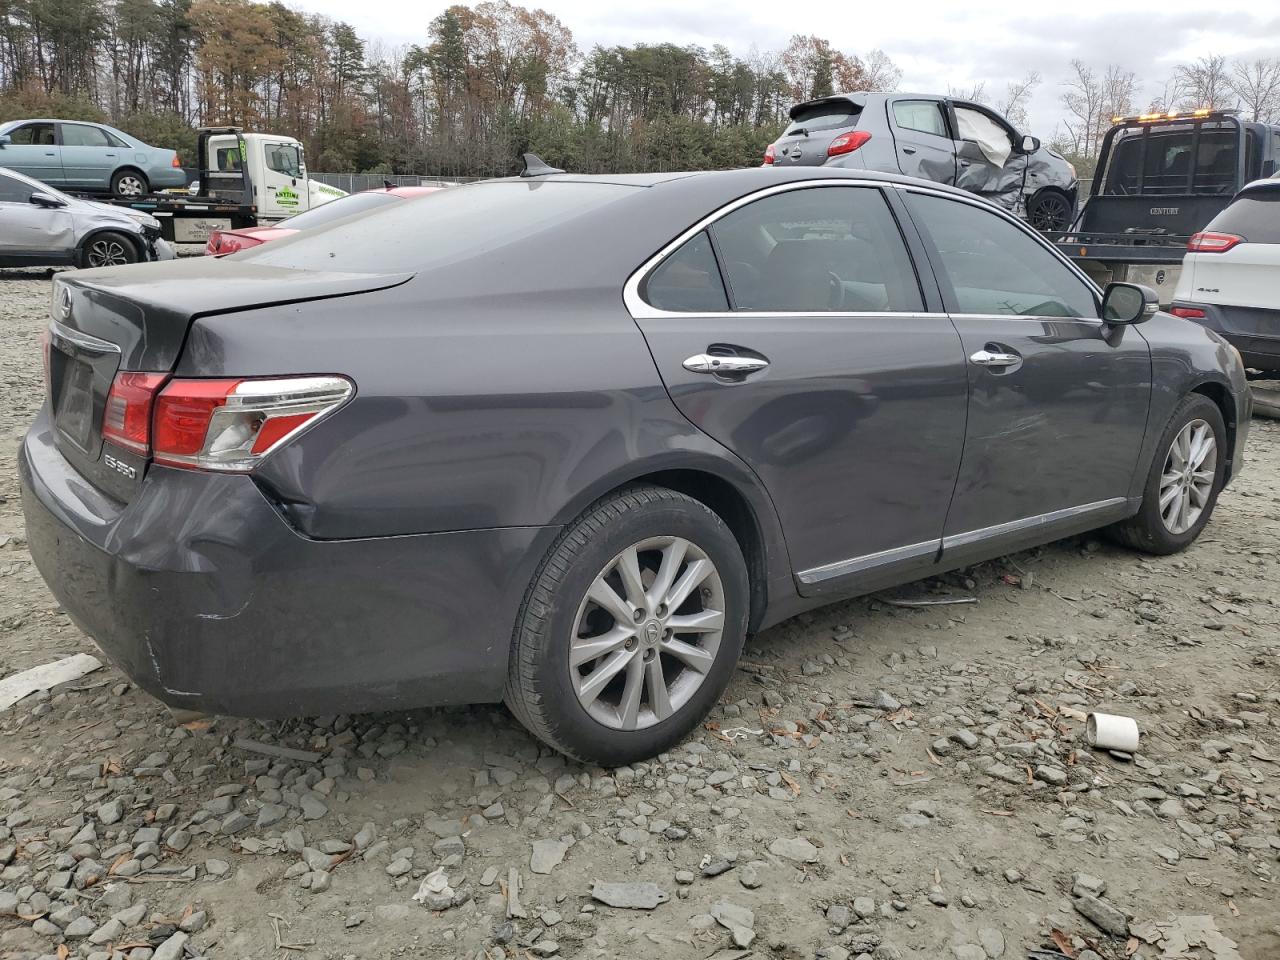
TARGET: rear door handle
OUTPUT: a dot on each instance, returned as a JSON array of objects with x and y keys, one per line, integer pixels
[
  {"x": 987, "y": 358},
  {"x": 711, "y": 363},
  {"x": 908, "y": 149}
]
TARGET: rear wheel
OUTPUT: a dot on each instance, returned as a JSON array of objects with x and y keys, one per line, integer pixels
[
  {"x": 129, "y": 183},
  {"x": 1049, "y": 210},
  {"x": 108, "y": 249},
  {"x": 631, "y": 628},
  {"x": 1184, "y": 481}
]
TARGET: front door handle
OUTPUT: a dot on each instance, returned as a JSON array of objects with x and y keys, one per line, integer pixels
[
  {"x": 908, "y": 149},
  {"x": 711, "y": 363},
  {"x": 988, "y": 358}
]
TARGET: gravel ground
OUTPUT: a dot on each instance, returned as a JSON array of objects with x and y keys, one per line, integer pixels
[{"x": 879, "y": 781}]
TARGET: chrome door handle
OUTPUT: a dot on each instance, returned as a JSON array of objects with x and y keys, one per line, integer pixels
[
  {"x": 985, "y": 358},
  {"x": 711, "y": 363}
]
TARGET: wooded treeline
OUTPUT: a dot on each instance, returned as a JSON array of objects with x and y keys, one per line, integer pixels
[
  {"x": 489, "y": 81},
  {"x": 494, "y": 79}
]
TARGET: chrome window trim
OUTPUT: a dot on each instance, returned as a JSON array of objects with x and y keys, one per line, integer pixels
[{"x": 641, "y": 310}]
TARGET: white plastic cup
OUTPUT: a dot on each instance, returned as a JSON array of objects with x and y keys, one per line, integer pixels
[{"x": 1106, "y": 731}]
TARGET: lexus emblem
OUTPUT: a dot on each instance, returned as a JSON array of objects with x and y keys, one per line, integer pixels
[
  {"x": 652, "y": 631},
  {"x": 64, "y": 303}
]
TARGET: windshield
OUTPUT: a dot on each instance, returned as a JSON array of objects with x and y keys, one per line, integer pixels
[
  {"x": 441, "y": 228},
  {"x": 337, "y": 210}
]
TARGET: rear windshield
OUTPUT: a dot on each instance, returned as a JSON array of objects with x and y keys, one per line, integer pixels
[
  {"x": 1255, "y": 216},
  {"x": 1167, "y": 162},
  {"x": 338, "y": 209},
  {"x": 824, "y": 116},
  {"x": 440, "y": 228}
]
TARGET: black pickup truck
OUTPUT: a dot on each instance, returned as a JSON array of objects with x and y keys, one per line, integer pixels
[{"x": 1160, "y": 178}]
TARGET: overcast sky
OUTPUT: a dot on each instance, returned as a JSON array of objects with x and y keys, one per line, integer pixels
[{"x": 936, "y": 43}]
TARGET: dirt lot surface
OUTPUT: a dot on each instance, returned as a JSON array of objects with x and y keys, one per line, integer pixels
[{"x": 880, "y": 781}]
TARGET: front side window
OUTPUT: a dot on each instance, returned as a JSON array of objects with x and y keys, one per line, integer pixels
[
  {"x": 924, "y": 116},
  {"x": 688, "y": 281},
  {"x": 817, "y": 249},
  {"x": 34, "y": 135},
  {"x": 14, "y": 191},
  {"x": 79, "y": 135},
  {"x": 285, "y": 158},
  {"x": 996, "y": 268}
]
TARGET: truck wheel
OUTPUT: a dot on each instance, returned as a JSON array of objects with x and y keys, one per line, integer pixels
[
  {"x": 129, "y": 183},
  {"x": 1049, "y": 210},
  {"x": 107, "y": 249},
  {"x": 1183, "y": 483},
  {"x": 631, "y": 628}
]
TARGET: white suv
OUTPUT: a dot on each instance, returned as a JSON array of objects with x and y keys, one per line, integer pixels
[{"x": 1230, "y": 279}]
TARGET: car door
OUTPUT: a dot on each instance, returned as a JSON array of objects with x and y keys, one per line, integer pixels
[
  {"x": 988, "y": 162},
  {"x": 31, "y": 232},
  {"x": 922, "y": 139},
  {"x": 1058, "y": 401},
  {"x": 792, "y": 327},
  {"x": 88, "y": 156},
  {"x": 33, "y": 150},
  {"x": 282, "y": 173}
]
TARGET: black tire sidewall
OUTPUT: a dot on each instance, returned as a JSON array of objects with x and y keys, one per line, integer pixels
[
  {"x": 1194, "y": 407},
  {"x": 121, "y": 174},
  {"x": 572, "y": 727},
  {"x": 1050, "y": 197}
]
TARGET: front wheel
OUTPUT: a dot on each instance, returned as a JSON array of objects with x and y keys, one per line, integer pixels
[
  {"x": 1185, "y": 479},
  {"x": 631, "y": 629},
  {"x": 108, "y": 250},
  {"x": 1049, "y": 210}
]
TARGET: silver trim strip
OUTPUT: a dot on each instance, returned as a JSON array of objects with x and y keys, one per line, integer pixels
[
  {"x": 842, "y": 568},
  {"x": 1030, "y": 523},
  {"x": 82, "y": 340}
]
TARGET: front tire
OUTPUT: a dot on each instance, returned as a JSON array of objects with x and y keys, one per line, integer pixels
[
  {"x": 1183, "y": 483},
  {"x": 129, "y": 183},
  {"x": 107, "y": 249},
  {"x": 1049, "y": 210},
  {"x": 631, "y": 628}
]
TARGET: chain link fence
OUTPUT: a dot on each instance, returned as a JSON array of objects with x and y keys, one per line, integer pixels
[{"x": 355, "y": 182}]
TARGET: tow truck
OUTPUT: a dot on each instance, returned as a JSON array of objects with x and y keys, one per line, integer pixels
[
  {"x": 244, "y": 180},
  {"x": 1161, "y": 178}
]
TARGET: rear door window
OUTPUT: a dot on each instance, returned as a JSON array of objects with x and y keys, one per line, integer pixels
[
  {"x": 1254, "y": 216},
  {"x": 818, "y": 249},
  {"x": 80, "y": 135},
  {"x": 923, "y": 116},
  {"x": 688, "y": 281},
  {"x": 823, "y": 116},
  {"x": 995, "y": 268}
]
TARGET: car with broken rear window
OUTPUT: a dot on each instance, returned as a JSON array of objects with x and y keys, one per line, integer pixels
[
  {"x": 944, "y": 139},
  {"x": 567, "y": 440}
]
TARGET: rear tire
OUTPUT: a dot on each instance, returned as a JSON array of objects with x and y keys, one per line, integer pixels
[
  {"x": 1183, "y": 482},
  {"x": 645, "y": 544},
  {"x": 107, "y": 249},
  {"x": 129, "y": 183}
]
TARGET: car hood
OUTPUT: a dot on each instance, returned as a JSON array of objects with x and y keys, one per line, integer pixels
[{"x": 107, "y": 211}]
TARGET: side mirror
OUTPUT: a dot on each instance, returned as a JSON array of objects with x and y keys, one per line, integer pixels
[
  {"x": 1126, "y": 303},
  {"x": 42, "y": 199},
  {"x": 1030, "y": 144}
]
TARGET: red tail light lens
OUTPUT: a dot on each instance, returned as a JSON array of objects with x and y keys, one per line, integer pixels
[
  {"x": 770, "y": 155},
  {"x": 127, "y": 419},
  {"x": 177, "y": 161},
  {"x": 847, "y": 142},
  {"x": 1188, "y": 313},
  {"x": 230, "y": 425},
  {"x": 1213, "y": 242}
]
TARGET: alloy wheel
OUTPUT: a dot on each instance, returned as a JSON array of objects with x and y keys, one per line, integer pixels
[
  {"x": 107, "y": 253},
  {"x": 129, "y": 186},
  {"x": 1186, "y": 483},
  {"x": 647, "y": 632},
  {"x": 1050, "y": 213}
]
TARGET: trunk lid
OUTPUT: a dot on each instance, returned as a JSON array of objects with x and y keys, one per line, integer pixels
[
  {"x": 813, "y": 126},
  {"x": 135, "y": 319}
]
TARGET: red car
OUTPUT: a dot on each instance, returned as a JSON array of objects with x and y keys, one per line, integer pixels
[{"x": 222, "y": 242}]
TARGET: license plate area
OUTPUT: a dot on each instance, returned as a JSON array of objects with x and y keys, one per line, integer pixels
[{"x": 81, "y": 369}]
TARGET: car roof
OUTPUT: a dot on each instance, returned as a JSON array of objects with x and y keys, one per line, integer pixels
[
  {"x": 1264, "y": 185},
  {"x": 89, "y": 123},
  {"x": 406, "y": 192}
]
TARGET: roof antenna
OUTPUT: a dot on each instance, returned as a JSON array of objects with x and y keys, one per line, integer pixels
[{"x": 534, "y": 166}]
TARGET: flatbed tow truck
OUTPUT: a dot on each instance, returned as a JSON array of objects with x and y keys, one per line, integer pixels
[
  {"x": 1161, "y": 178},
  {"x": 244, "y": 180}
]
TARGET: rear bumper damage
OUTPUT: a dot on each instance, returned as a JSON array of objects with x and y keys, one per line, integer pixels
[{"x": 203, "y": 594}]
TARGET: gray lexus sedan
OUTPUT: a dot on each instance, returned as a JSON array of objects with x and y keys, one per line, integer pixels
[{"x": 569, "y": 439}]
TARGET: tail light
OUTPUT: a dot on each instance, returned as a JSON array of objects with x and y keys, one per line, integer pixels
[
  {"x": 1213, "y": 242},
  {"x": 221, "y": 244},
  {"x": 1188, "y": 313},
  {"x": 770, "y": 155},
  {"x": 231, "y": 425},
  {"x": 847, "y": 142},
  {"x": 176, "y": 162},
  {"x": 127, "y": 419}
]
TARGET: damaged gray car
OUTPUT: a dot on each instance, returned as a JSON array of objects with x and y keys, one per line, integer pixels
[
  {"x": 943, "y": 139},
  {"x": 42, "y": 226}
]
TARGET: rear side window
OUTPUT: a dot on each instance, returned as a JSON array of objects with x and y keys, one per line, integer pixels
[
  {"x": 688, "y": 281},
  {"x": 1254, "y": 216},
  {"x": 824, "y": 116},
  {"x": 994, "y": 268},
  {"x": 79, "y": 135},
  {"x": 1173, "y": 163},
  {"x": 924, "y": 116},
  {"x": 818, "y": 249}
]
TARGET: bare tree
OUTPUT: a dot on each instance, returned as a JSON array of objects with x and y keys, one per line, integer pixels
[
  {"x": 881, "y": 73},
  {"x": 1118, "y": 89},
  {"x": 1204, "y": 83},
  {"x": 1256, "y": 83},
  {"x": 1083, "y": 100},
  {"x": 977, "y": 93},
  {"x": 1016, "y": 96}
]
